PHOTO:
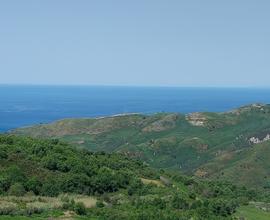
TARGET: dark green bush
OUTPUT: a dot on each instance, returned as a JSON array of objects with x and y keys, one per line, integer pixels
[
  {"x": 99, "y": 204},
  {"x": 80, "y": 209}
]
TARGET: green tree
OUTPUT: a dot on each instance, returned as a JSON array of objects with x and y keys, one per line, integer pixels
[
  {"x": 34, "y": 185},
  {"x": 15, "y": 175}
]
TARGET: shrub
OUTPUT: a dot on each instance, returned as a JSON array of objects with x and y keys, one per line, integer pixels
[
  {"x": 50, "y": 188},
  {"x": 79, "y": 208},
  {"x": 99, "y": 204},
  {"x": 178, "y": 202},
  {"x": 223, "y": 207},
  {"x": 15, "y": 175},
  {"x": 16, "y": 189},
  {"x": 67, "y": 203},
  {"x": 134, "y": 187},
  {"x": 3, "y": 154},
  {"x": 34, "y": 185},
  {"x": 159, "y": 203}
]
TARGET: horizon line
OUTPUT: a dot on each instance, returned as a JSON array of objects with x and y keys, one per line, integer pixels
[{"x": 142, "y": 86}]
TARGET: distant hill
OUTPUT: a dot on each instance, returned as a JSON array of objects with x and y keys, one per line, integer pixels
[{"x": 231, "y": 145}]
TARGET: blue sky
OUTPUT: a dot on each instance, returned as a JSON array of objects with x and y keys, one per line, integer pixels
[{"x": 138, "y": 42}]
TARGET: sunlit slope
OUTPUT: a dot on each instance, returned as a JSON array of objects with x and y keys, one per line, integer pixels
[
  {"x": 232, "y": 144},
  {"x": 42, "y": 179}
]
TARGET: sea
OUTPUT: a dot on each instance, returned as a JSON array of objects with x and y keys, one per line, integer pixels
[{"x": 24, "y": 105}]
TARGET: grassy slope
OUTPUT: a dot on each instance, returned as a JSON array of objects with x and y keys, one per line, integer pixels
[
  {"x": 219, "y": 148},
  {"x": 252, "y": 213}
]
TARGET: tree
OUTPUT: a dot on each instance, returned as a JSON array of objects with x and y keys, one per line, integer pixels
[
  {"x": 15, "y": 175},
  {"x": 34, "y": 185}
]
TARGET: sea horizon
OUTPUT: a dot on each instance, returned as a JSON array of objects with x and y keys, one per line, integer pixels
[
  {"x": 24, "y": 105},
  {"x": 138, "y": 86}
]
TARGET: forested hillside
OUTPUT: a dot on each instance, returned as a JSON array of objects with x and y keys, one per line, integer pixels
[
  {"x": 48, "y": 178},
  {"x": 231, "y": 145}
]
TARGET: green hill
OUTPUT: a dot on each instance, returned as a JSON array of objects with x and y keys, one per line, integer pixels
[
  {"x": 231, "y": 145},
  {"x": 48, "y": 179}
]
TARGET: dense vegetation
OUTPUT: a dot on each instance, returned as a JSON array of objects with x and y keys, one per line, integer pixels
[
  {"x": 49, "y": 168},
  {"x": 232, "y": 145},
  {"x": 123, "y": 188}
]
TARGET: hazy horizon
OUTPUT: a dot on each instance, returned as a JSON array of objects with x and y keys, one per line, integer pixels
[{"x": 143, "y": 86}]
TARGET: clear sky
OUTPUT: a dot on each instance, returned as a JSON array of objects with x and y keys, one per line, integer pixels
[{"x": 135, "y": 42}]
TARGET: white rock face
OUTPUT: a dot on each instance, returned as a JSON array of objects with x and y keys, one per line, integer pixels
[
  {"x": 255, "y": 140},
  {"x": 196, "y": 119}
]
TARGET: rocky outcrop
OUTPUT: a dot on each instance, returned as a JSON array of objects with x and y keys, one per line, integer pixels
[
  {"x": 196, "y": 119},
  {"x": 256, "y": 140}
]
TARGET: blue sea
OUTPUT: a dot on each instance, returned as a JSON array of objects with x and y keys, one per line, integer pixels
[{"x": 27, "y": 105}]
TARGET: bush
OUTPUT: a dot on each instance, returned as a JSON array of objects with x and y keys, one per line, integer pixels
[
  {"x": 16, "y": 189},
  {"x": 3, "y": 154},
  {"x": 15, "y": 175},
  {"x": 68, "y": 204},
  {"x": 50, "y": 188},
  {"x": 178, "y": 202},
  {"x": 159, "y": 203},
  {"x": 34, "y": 185},
  {"x": 135, "y": 186},
  {"x": 99, "y": 204},
  {"x": 223, "y": 207},
  {"x": 79, "y": 208}
]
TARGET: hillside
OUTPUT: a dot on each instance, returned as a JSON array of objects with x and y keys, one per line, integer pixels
[
  {"x": 230, "y": 145},
  {"x": 47, "y": 179}
]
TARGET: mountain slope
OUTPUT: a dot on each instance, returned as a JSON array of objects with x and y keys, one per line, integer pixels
[
  {"x": 206, "y": 144},
  {"x": 31, "y": 169}
]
